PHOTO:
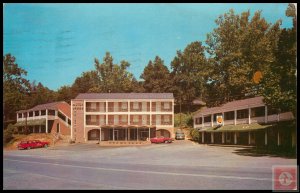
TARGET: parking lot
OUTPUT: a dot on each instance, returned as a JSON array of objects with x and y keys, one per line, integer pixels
[{"x": 179, "y": 165}]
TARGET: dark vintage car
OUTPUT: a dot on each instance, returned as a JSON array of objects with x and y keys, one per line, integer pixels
[
  {"x": 30, "y": 144},
  {"x": 179, "y": 135},
  {"x": 161, "y": 139}
]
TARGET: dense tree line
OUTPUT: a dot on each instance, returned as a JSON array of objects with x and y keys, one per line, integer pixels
[{"x": 218, "y": 72}]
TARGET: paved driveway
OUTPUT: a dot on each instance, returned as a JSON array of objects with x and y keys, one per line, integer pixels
[{"x": 179, "y": 165}]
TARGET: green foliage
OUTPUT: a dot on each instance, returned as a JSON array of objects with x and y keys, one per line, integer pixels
[
  {"x": 15, "y": 87},
  {"x": 186, "y": 120},
  {"x": 8, "y": 134},
  {"x": 190, "y": 73},
  {"x": 239, "y": 47},
  {"x": 194, "y": 133},
  {"x": 156, "y": 77}
]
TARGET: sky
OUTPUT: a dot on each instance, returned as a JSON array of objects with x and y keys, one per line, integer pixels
[{"x": 55, "y": 43}]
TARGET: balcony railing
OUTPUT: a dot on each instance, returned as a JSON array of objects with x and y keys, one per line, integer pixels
[{"x": 89, "y": 109}]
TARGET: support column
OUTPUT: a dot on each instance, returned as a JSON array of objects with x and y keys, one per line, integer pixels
[
  {"x": 235, "y": 138},
  {"x": 100, "y": 136},
  {"x": 128, "y": 133},
  {"x": 212, "y": 137},
  {"x": 202, "y": 137},
  {"x": 106, "y": 115},
  {"x": 266, "y": 114},
  {"x": 212, "y": 120},
  {"x": 235, "y": 115},
  {"x": 266, "y": 137},
  {"x": 223, "y": 117},
  {"x": 249, "y": 138},
  {"x": 149, "y": 134},
  {"x": 223, "y": 137},
  {"x": 137, "y": 134},
  {"x": 249, "y": 115},
  {"x": 46, "y": 120},
  {"x": 202, "y": 121}
]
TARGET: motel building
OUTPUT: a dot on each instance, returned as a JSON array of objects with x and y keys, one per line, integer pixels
[
  {"x": 46, "y": 118},
  {"x": 245, "y": 122},
  {"x": 121, "y": 118}
]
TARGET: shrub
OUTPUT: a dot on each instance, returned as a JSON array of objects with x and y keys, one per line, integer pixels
[
  {"x": 186, "y": 120},
  {"x": 195, "y": 134},
  {"x": 8, "y": 133}
]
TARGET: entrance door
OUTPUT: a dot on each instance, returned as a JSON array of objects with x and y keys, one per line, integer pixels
[{"x": 116, "y": 134}]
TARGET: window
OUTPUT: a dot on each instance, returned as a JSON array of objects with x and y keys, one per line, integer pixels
[
  {"x": 60, "y": 115},
  {"x": 124, "y": 105},
  {"x": 135, "y": 105},
  {"x": 229, "y": 115},
  {"x": 19, "y": 115},
  {"x": 144, "y": 106},
  {"x": 207, "y": 119},
  {"x": 69, "y": 121},
  {"x": 167, "y": 105},
  {"x": 37, "y": 113},
  {"x": 135, "y": 118},
  {"x": 124, "y": 119},
  {"x": 93, "y": 118},
  {"x": 51, "y": 112},
  {"x": 102, "y": 120},
  {"x": 167, "y": 119},
  {"x": 31, "y": 114},
  {"x": 198, "y": 120},
  {"x": 43, "y": 112},
  {"x": 242, "y": 114},
  {"x": 57, "y": 128},
  {"x": 116, "y": 119}
]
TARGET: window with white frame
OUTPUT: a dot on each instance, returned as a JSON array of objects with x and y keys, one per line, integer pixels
[
  {"x": 158, "y": 119},
  {"x": 116, "y": 106},
  {"x": 167, "y": 119},
  {"x": 124, "y": 119},
  {"x": 144, "y": 106},
  {"x": 93, "y": 106},
  {"x": 144, "y": 119},
  {"x": 116, "y": 119},
  {"x": 102, "y": 120},
  {"x": 158, "y": 105},
  {"x": 93, "y": 118},
  {"x": 102, "y": 108}
]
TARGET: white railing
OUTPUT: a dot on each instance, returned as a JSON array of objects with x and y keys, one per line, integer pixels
[{"x": 257, "y": 119}]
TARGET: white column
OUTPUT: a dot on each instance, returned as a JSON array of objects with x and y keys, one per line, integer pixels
[
  {"x": 202, "y": 137},
  {"x": 113, "y": 134},
  {"x": 266, "y": 137},
  {"x": 212, "y": 137},
  {"x": 235, "y": 138},
  {"x": 56, "y": 113},
  {"x": 278, "y": 138},
  {"x": 100, "y": 135},
  {"x": 150, "y": 113},
  {"x": 202, "y": 121},
  {"x": 84, "y": 109},
  {"x": 223, "y": 137},
  {"x": 149, "y": 134},
  {"x": 137, "y": 133},
  {"x": 249, "y": 138},
  {"x": 249, "y": 115},
  {"x": 212, "y": 120},
  {"x": 106, "y": 110},
  {"x": 223, "y": 119},
  {"x": 235, "y": 115},
  {"x": 128, "y": 117},
  {"x": 266, "y": 114},
  {"x": 46, "y": 120}
]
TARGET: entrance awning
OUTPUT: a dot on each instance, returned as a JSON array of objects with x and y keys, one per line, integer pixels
[
  {"x": 237, "y": 128},
  {"x": 31, "y": 122}
]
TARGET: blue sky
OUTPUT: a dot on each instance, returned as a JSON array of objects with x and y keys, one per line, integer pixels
[{"x": 55, "y": 43}]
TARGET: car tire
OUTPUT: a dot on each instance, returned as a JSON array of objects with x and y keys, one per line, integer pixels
[
  {"x": 28, "y": 148},
  {"x": 45, "y": 146}
]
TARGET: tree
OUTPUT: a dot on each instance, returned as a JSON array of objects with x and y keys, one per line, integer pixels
[
  {"x": 85, "y": 82},
  {"x": 278, "y": 85},
  {"x": 15, "y": 87},
  {"x": 112, "y": 77},
  {"x": 190, "y": 71},
  {"x": 156, "y": 77},
  {"x": 65, "y": 93},
  {"x": 238, "y": 48},
  {"x": 39, "y": 94}
]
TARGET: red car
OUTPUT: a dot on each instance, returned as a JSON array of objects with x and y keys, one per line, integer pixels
[
  {"x": 161, "y": 139},
  {"x": 32, "y": 144}
]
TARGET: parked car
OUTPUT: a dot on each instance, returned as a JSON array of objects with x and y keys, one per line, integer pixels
[
  {"x": 179, "y": 135},
  {"x": 161, "y": 139},
  {"x": 32, "y": 144}
]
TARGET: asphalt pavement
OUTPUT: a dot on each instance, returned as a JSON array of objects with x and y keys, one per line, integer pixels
[{"x": 182, "y": 165}]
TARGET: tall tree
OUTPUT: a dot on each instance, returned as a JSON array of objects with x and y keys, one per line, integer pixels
[
  {"x": 156, "y": 77},
  {"x": 65, "y": 93},
  {"x": 190, "y": 71},
  {"x": 239, "y": 47},
  {"x": 112, "y": 77},
  {"x": 15, "y": 87},
  {"x": 39, "y": 94},
  {"x": 278, "y": 85}
]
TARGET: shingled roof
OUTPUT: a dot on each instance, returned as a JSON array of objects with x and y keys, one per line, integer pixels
[
  {"x": 51, "y": 106},
  {"x": 125, "y": 96},
  {"x": 234, "y": 105}
]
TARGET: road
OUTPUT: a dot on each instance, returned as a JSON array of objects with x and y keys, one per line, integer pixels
[{"x": 181, "y": 165}]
